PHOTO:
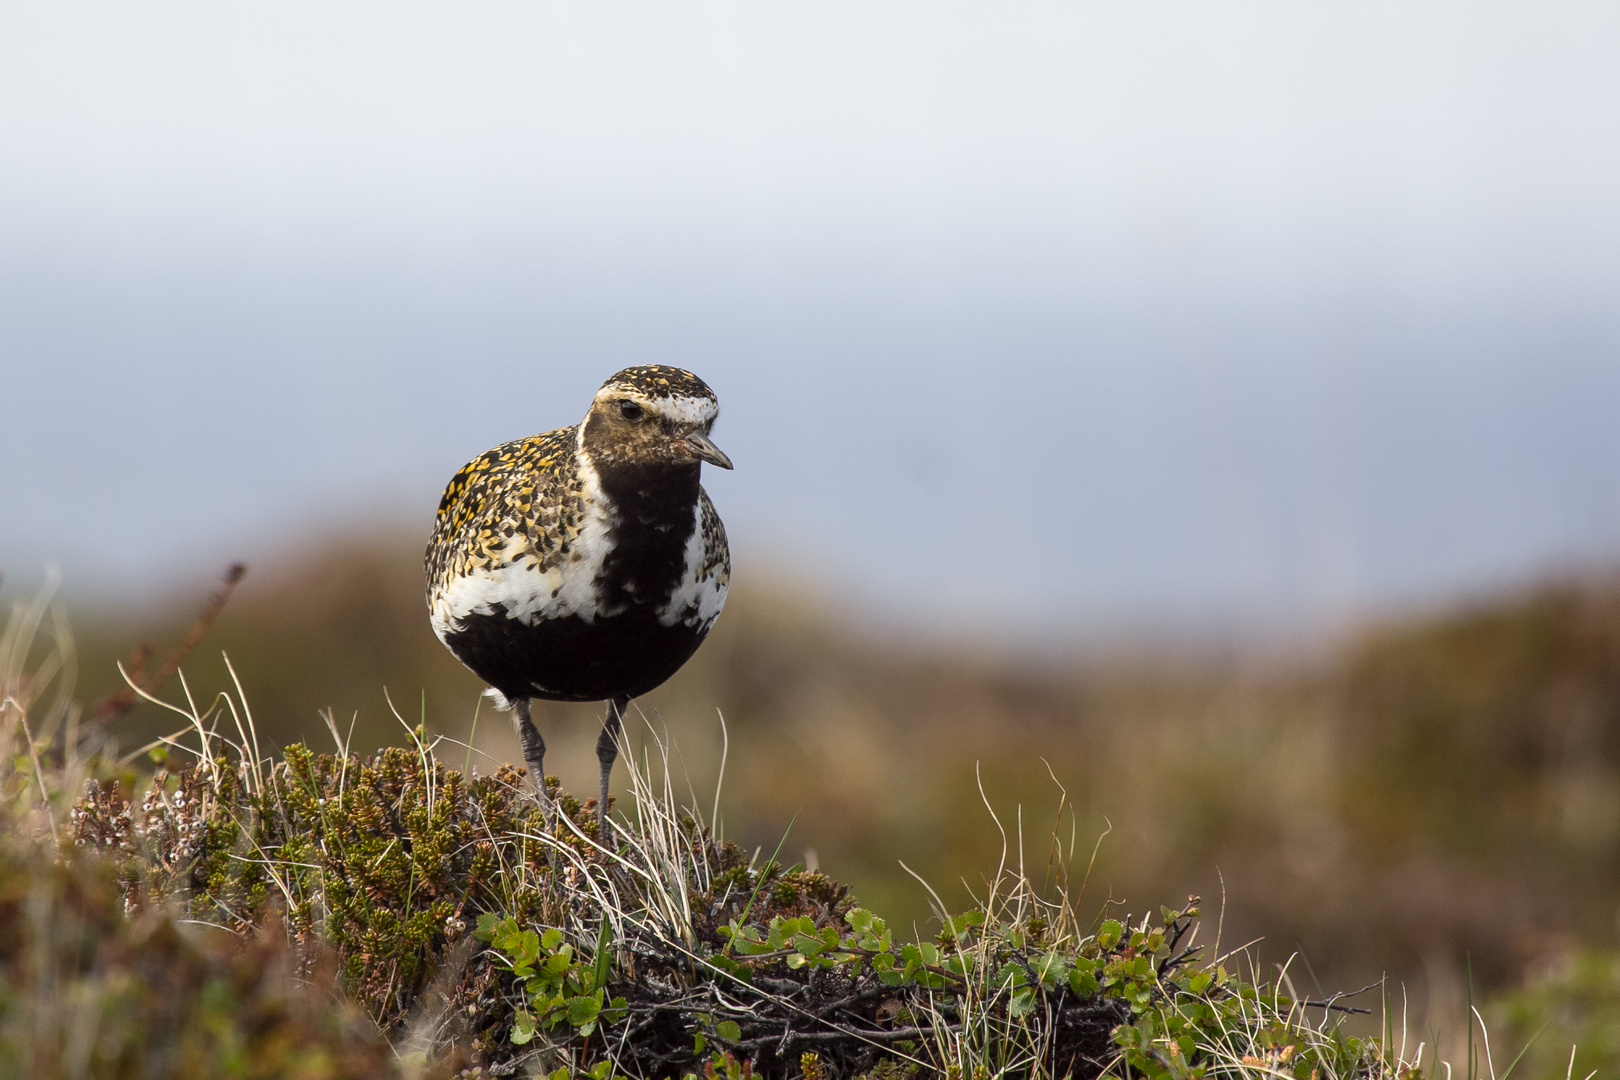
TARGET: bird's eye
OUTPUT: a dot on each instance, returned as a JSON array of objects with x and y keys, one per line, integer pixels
[{"x": 630, "y": 410}]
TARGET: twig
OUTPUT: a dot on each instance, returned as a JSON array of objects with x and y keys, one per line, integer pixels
[
  {"x": 116, "y": 705},
  {"x": 1186, "y": 956},
  {"x": 877, "y": 1035},
  {"x": 1332, "y": 1002}
]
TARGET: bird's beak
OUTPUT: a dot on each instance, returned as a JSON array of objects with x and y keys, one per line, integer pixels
[{"x": 704, "y": 450}]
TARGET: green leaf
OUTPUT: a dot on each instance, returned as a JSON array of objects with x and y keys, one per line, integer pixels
[
  {"x": 1011, "y": 974},
  {"x": 747, "y": 940},
  {"x": 883, "y": 942},
  {"x": 1109, "y": 933},
  {"x": 1083, "y": 981},
  {"x": 486, "y": 926},
  {"x": 553, "y": 937},
  {"x": 731, "y": 967},
  {"x": 604, "y": 956},
  {"x": 522, "y": 1027},
  {"x": 583, "y": 1010},
  {"x": 958, "y": 925},
  {"x": 728, "y": 1030},
  {"x": 1051, "y": 969}
]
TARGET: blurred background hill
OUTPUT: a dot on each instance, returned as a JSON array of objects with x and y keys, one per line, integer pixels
[{"x": 1438, "y": 792}]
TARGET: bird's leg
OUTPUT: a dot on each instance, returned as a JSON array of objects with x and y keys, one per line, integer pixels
[
  {"x": 534, "y": 751},
  {"x": 607, "y": 751}
]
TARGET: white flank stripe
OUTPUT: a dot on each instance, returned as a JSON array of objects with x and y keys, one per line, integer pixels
[{"x": 694, "y": 602}]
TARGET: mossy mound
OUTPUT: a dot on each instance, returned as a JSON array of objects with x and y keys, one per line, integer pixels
[{"x": 476, "y": 934}]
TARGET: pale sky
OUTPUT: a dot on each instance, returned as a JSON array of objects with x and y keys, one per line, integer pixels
[{"x": 1068, "y": 315}]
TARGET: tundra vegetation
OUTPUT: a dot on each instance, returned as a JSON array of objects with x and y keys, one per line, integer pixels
[{"x": 203, "y": 906}]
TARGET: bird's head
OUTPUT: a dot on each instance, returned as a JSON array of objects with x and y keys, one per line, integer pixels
[{"x": 652, "y": 415}]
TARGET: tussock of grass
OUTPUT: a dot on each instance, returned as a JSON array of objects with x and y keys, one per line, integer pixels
[{"x": 332, "y": 915}]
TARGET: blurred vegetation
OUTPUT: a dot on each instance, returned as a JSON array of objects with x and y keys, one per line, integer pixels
[
  {"x": 1437, "y": 792},
  {"x": 1567, "y": 1017},
  {"x": 87, "y": 990}
]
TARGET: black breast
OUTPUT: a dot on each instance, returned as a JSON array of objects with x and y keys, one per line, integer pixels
[{"x": 654, "y": 515}]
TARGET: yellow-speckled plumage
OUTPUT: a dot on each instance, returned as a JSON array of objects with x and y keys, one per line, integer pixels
[{"x": 520, "y": 502}]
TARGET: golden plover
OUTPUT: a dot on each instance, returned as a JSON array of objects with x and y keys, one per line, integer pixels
[{"x": 585, "y": 564}]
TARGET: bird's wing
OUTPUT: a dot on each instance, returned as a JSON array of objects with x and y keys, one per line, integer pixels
[{"x": 507, "y": 504}]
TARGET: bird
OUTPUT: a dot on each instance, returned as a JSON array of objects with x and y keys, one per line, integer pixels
[{"x": 585, "y": 563}]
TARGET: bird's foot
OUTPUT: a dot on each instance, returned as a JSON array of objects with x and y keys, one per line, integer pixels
[
  {"x": 542, "y": 795},
  {"x": 604, "y": 825}
]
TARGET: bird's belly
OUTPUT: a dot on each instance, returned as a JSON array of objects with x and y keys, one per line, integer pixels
[{"x": 571, "y": 659}]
